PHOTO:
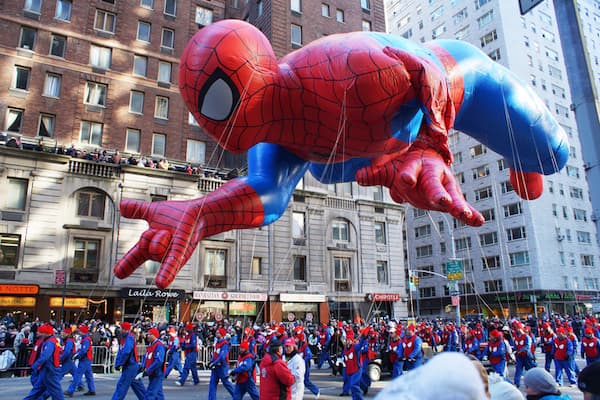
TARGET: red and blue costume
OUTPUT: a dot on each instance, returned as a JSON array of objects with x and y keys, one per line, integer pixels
[
  {"x": 128, "y": 360},
  {"x": 245, "y": 373},
  {"x": 190, "y": 350},
  {"x": 220, "y": 367},
  {"x": 364, "y": 106},
  {"x": 84, "y": 368},
  {"x": 154, "y": 368},
  {"x": 46, "y": 368}
]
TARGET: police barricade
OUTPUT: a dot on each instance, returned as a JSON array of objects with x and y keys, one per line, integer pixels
[
  {"x": 102, "y": 359},
  {"x": 205, "y": 355}
]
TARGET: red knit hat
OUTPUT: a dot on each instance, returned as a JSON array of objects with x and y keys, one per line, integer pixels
[
  {"x": 222, "y": 332},
  {"x": 46, "y": 329},
  {"x": 154, "y": 332},
  {"x": 125, "y": 326},
  {"x": 244, "y": 346},
  {"x": 83, "y": 329},
  {"x": 189, "y": 326},
  {"x": 68, "y": 330}
]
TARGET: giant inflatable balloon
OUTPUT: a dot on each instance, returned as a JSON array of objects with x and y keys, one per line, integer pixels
[{"x": 364, "y": 106}]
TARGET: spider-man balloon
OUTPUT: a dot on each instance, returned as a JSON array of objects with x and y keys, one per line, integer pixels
[{"x": 361, "y": 106}]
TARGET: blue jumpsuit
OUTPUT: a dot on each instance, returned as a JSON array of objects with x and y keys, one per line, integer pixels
[
  {"x": 191, "y": 357},
  {"x": 127, "y": 359},
  {"x": 47, "y": 380},
  {"x": 324, "y": 342},
  {"x": 245, "y": 378},
  {"x": 307, "y": 355},
  {"x": 84, "y": 355},
  {"x": 220, "y": 369},
  {"x": 174, "y": 356},
  {"x": 154, "y": 369},
  {"x": 524, "y": 357},
  {"x": 496, "y": 352}
]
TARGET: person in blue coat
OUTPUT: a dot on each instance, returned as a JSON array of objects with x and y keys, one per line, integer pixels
[
  {"x": 47, "y": 367},
  {"x": 66, "y": 357},
  {"x": 220, "y": 365},
  {"x": 452, "y": 338},
  {"x": 173, "y": 353},
  {"x": 496, "y": 352},
  {"x": 128, "y": 361},
  {"x": 190, "y": 350},
  {"x": 244, "y": 373},
  {"x": 412, "y": 349},
  {"x": 154, "y": 366},
  {"x": 324, "y": 342},
  {"x": 85, "y": 357}
]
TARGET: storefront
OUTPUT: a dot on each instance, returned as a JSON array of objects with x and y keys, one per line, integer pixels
[
  {"x": 20, "y": 300},
  {"x": 302, "y": 307},
  {"x": 215, "y": 306},
  {"x": 382, "y": 305},
  {"x": 156, "y": 304}
]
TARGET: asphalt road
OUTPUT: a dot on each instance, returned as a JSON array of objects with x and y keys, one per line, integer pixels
[{"x": 17, "y": 388}]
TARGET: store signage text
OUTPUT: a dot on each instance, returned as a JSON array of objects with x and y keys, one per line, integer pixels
[
  {"x": 232, "y": 296},
  {"x": 385, "y": 297},
  {"x": 153, "y": 293},
  {"x": 19, "y": 289}
]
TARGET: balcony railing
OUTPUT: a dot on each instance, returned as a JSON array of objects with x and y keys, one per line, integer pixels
[
  {"x": 207, "y": 185},
  {"x": 340, "y": 204},
  {"x": 93, "y": 168}
]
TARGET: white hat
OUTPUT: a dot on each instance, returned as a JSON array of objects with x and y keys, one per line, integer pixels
[
  {"x": 500, "y": 389},
  {"x": 448, "y": 376}
]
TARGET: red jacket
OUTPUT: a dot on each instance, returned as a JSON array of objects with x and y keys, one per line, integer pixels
[{"x": 276, "y": 378}]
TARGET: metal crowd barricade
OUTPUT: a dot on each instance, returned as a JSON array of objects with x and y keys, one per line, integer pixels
[
  {"x": 103, "y": 358},
  {"x": 205, "y": 355}
]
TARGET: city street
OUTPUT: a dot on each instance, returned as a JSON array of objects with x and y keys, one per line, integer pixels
[{"x": 17, "y": 388}]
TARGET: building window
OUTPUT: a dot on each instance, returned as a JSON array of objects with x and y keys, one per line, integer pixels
[
  {"x": 342, "y": 274},
  {"x": 424, "y": 275},
  {"x": 423, "y": 230},
  {"x": 477, "y": 150},
  {"x": 513, "y": 209},
  {"x": 204, "y": 16},
  {"x": 485, "y": 19},
  {"x": 437, "y": 32},
  {"x": 506, "y": 187},
  {"x": 493, "y": 286},
  {"x": 132, "y": 141},
  {"x": 339, "y": 16},
  {"x": 296, "y": 31},
  {"x": 95, "y": 94},
  {"x": 164, "y": 71},
  {"x": 456, "y": 223},
  {"x": 147, "y": 4},
  {"x": 340, "y": 231},
  {"x": 259, "y": 8},
  {"x": 143, "y": 31},
  {"x": 18, "y": 194},
  {"x": 466, "y": 288},
  {"x": 21, "y": 78},
  {"x": 519, "y": 258},
  {"x": 257, "y": 266},
  {"x": 488, "y": 38},
  {"x": 480, "y": 172},
  {"x": 584, "y": 237},
  {"x": 90, "y": 204},
  {"x": 298, "y": 225},
  {"x": 489, "y": 214},
  {"x": 58, "y": 46},
  {"x": 140, "y": 65},
  {"x": 170, "y": 7},
  {"x": 417, "y": 212},
  {"x": 161, "y": 108},
  {"x": 168, "y": 38},
  {"x": 300, "y": 268},
  {"x": 215, "y": 263},
  {"x": 424, "y": 251},
  {"x": 365, "y": 4},
  {"x": 587, "y": 260},
  {"x": 52, "y": 85},
  {"x": 34, "y": 6},
  {"x": 488, "y": 239},
  {"x": 490, "y": 262},
  {"x": 460, "y": 16},
  {"x": 590, "y": 283},
  {"x": 86, "y": 260},
  {"x": 462, "y": 243},
  {"x": 380, "y": 233},
  {"x": 105, "y": 21},
  {"x": 100, "y": 57},
  {"x": 296, "y": 5},
  {"x": 382, "y": 272},
  {"x": 90, "y": 133},
  {"x": 462, "y": 33},
  {"x": 136, "y": 102},
  {"x": 195, "y": 152},
  {"x": 14, "y": 119},
  {"x": 10, "y": 246},
  {"x": 378, "y": 193},
  {"x": 484, "y": 193},
  {"x": 522, "y": 283},
  {"x": 516, "y": 233},
  {"x": 46, "y": 125},
  {"x": 579, "y": 215},
  {"x": 325, "y": 10},
  {"x": 437, "y": 13},
  {"x": 63, "y": 10},
  {"x": 427, "y": 292},
  {"x": 159, "y": 144},
  {"x": 366, "y": 25}
]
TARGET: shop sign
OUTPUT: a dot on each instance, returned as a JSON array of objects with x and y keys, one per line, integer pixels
[
  {"x": 291, "y": 317},
  {"x": 70, "y": 302},
  {"x": 19, "y": 289},
  {"x": 242, "y": 308},
  {"x": 230, "y": 296},
  {"x": 9, "y": 301},
  {"x": 384, "y": 297},
  {"x": 309, "y": 317},
  {"x": 153, "y": 294},
  {"x": 302, "y": 298}
]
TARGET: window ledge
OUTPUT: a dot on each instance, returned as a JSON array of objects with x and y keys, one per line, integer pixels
[
  {"x": 20, "y": 93},
  {"x": 87, "y": 227}
]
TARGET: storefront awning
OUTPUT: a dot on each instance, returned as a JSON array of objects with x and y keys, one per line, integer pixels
[{"x": 302, "y": 298}]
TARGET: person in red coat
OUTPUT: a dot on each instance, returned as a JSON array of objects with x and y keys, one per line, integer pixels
[{"x": 276, "y": 378}]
